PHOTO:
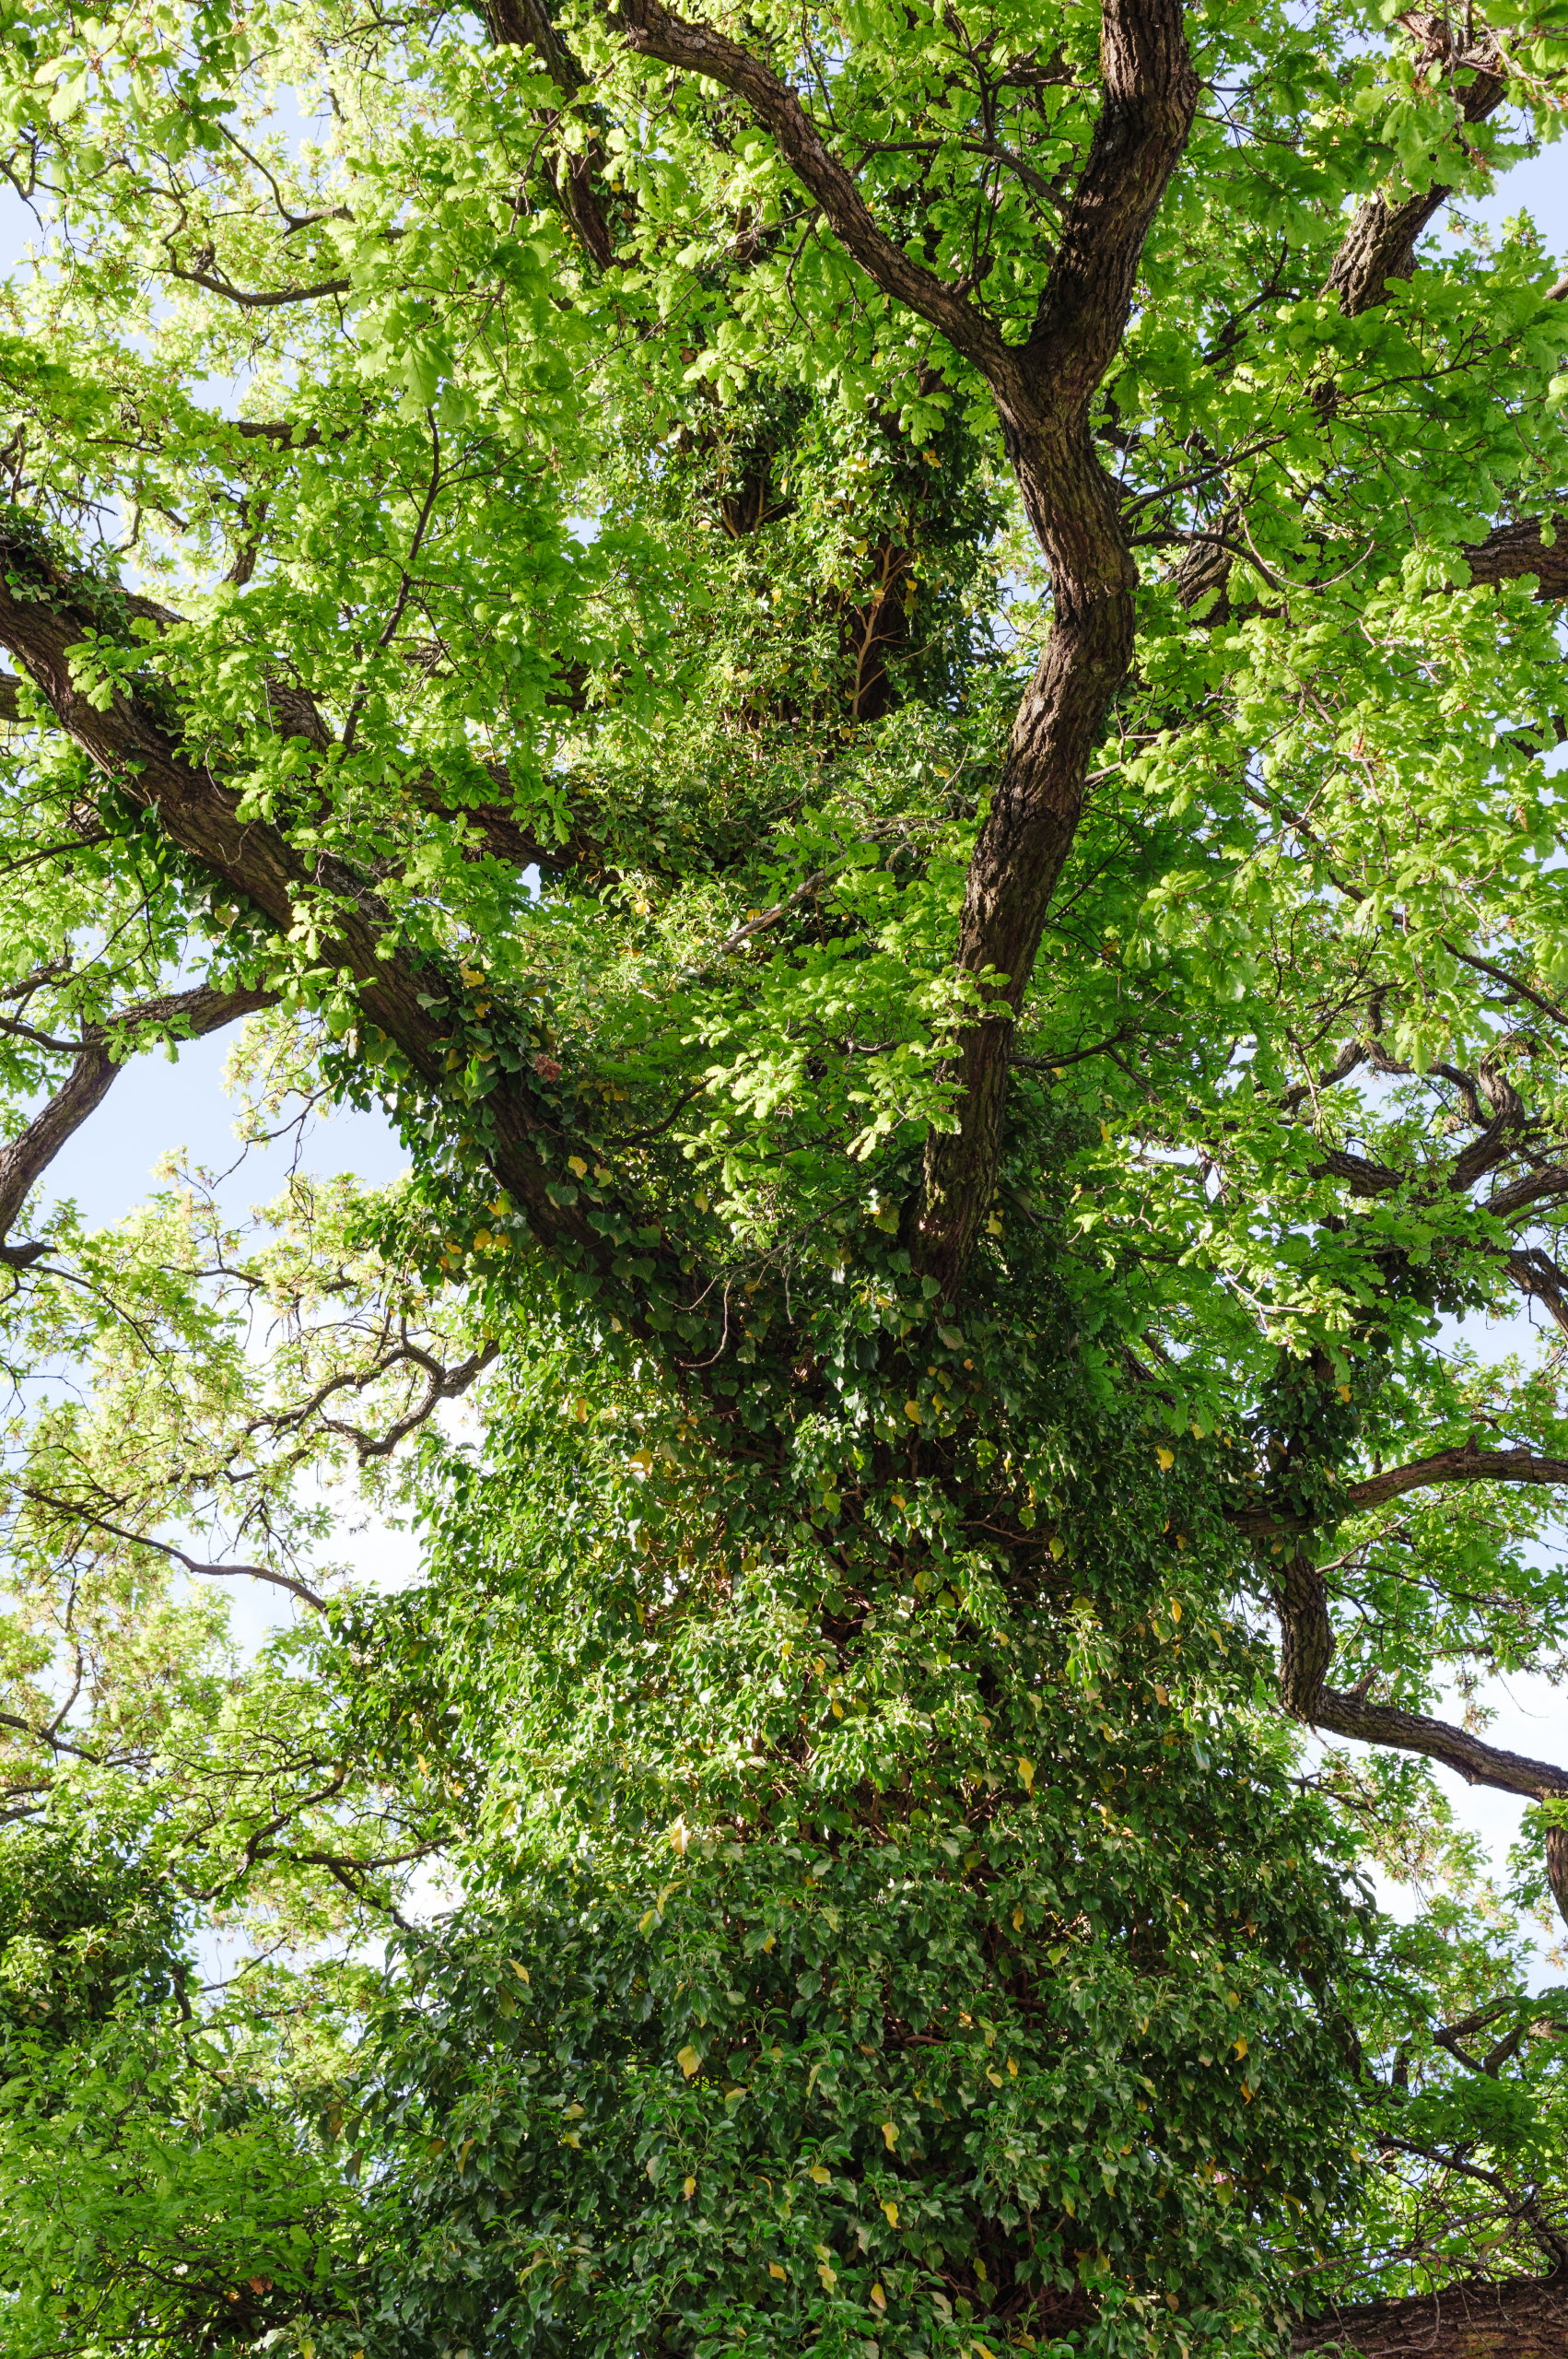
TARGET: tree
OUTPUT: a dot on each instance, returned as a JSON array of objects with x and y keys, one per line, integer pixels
[{"x": 886, "y": 675}]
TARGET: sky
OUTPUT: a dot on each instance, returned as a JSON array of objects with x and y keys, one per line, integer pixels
[{"x": 157, "y": 1106}]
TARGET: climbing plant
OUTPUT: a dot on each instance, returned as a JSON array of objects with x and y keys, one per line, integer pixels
[{"x": 889, "y": 678}]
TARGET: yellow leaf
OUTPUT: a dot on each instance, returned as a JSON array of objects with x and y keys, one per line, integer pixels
[
  {"x": 1059, "y": 1547},
  {"x": 1013, "y": 2066},
  {"x": 1162, "y": 1695},
  {"x": 892, "y": 2210},
  {"x": 648, "y": 1920},
  {"x": 1166, "y": 1458},
  {"x": 1241, "y": 2050},
  {"x": 828, "y": 2276},
  {"x": 679, "y": 1838},
  {"x": 820, "y": 2176},
  {"x": 995, "y": 2080},
  {"x": 571, "y": 2139},
  {"x": 1027, "y": 1775},
  {"x": 774, "y": 2269},
  {"x": 1018, "y": 1918},
  {"x": 993, "y": 1226},
  {"x": 689, "y": 2061},
  {"x": 890, "y": 2135},
  {"x": 914, "y": 1412},
  {"x": 1176, "y": 1609},
  {"x": 577, "y": 1166},
  {"x": 879, "y": 2299},
  {"x": 1344, "y": 1391},
  {"x": 689, "y": 2188},
  {"x": 770, "y": 1941},
  {"x": 521, "y": 1971}
]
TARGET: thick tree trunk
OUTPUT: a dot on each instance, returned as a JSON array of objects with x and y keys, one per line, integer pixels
[
  {"x": 1043, "y": 389},
  {"x": 1527, "y": 2318}
]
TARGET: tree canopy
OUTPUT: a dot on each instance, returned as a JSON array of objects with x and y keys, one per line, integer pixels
[{"x": 886, "y": 673}]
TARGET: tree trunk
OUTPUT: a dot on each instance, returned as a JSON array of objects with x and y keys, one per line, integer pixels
[{"x": 1527, "y": 2318}]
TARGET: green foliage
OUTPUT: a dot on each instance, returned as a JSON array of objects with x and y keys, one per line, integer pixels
[
  {"x": 816, "y": 1860},
  {"x": 891, "y": 1964},
  {"x": 83, "y": 1927},
  {"x": 154, "y": 2199}
]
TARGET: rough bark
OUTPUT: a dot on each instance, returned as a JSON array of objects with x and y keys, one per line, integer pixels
[
  {"x": 1306, "y": 1641},
  {"x": 1306, "y": 1650},
  {"x": 1381, "y": 241},
  {"x": 1557, "y": 1866},
  {"x": 526, "y": 24},
  {"x": 1524, "y": 2318},
  {"x": 1346, "y": 1714},
  {"x": 1513, "y": 551}
]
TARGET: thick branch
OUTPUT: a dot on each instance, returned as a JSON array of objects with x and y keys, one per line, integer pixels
[
  {"x": 136, "y": 745},
  {"x": 188, "y": 1016},
  {"x": 1150, "y": 96},
  {"x": 1466, "y": 1463},
  {"x": 526, "y": 24},
  {"x": 1478, "y": 1764},
  {"x": 1524, "y": 2318},
  {"x": 1042, "y": 391},
  {"x": 1306, "y": 1650},
  {"x": 1514, "y": 550},
  {"x": 1380, "y": 243},
  {"x": 1538, "y": 1276},
  {"x": 654, "y": 31}
]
